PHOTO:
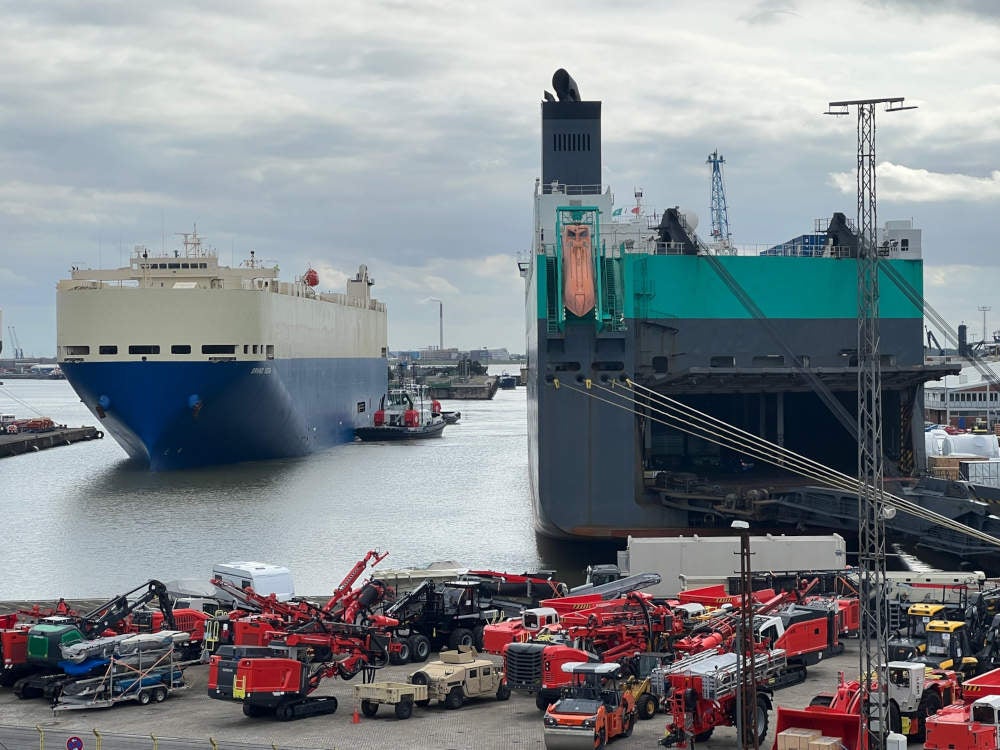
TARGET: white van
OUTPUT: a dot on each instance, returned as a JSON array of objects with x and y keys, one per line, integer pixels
[{"x": 264, "y": 578}]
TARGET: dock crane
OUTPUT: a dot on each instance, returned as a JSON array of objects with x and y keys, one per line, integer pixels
[{"x": 18, "y": 351}]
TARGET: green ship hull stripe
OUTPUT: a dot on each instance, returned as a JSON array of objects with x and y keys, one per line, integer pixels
[{"x": 686, "y": 286}]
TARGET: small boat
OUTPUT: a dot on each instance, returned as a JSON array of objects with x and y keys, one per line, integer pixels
[
  {"x": 451, "y": 417},
  {"x": 508, "y": 381},
  {"x": 404, "y": 413}
]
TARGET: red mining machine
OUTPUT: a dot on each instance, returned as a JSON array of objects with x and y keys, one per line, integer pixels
[
  {"x": 915, "y": 693},
  {"x": 972, "y": 725},
  {"x": 806, "y": 628},
  {"x": 616, "y": 630},
  {"x": 279, "y": 680},
  {"x": 703, "y": 692},
  {"x": 257, "y": 617}
]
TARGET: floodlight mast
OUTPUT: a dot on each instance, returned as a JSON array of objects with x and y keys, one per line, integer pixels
[{"x": 871, "y": 499}]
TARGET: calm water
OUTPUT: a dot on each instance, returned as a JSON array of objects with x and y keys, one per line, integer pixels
[{"x": 81, "y": 521}]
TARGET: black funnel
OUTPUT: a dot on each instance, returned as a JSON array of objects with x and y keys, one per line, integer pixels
[{"x": 565, "y": 86}]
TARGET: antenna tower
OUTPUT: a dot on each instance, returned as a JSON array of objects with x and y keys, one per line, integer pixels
[
  {"x": 720, "y": 215},
  {"x": 871, "y": 499}
]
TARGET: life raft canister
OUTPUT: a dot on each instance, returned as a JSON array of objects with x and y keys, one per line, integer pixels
[
  {"x": 411, "y": 418},
  {"x": 380, "y": 417},
  {"x": 436, "y": 406}
]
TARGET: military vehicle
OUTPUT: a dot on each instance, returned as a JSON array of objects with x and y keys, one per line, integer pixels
[{"x": 459, "y": 675}]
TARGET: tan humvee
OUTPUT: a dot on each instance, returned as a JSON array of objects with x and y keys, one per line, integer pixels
[{"x": 457, "y": 676}]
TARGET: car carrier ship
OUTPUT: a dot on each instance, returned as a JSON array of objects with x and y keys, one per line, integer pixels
[
  {"x": 753, "y": 338},
  {"x": 187, "y": 362}
]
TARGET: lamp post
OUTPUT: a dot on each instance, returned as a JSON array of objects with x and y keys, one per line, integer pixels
[
  {"x": 746, "y": 697},
  {"x": 440, "y": 321}
]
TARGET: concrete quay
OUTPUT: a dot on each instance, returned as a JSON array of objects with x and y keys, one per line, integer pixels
[
  {"x": 212, "y": 724},
  {"x": 29, "y": 442}
]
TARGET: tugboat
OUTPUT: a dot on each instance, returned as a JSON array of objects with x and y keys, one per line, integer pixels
[{"x": 404, "y": 413}]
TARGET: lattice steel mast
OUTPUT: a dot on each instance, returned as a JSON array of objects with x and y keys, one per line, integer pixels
[
  {"x": 720, "y": 214},
  {"x": 871, "y": 499}
]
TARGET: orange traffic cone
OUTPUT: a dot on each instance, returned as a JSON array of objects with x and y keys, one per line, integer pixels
[{"x": 356, "y": 718}]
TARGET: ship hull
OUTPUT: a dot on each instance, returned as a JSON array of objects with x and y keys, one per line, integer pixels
[{"x": 189, "y": 414}]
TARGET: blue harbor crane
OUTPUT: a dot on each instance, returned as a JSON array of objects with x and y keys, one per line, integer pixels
[{"x": 720, "y": 215}]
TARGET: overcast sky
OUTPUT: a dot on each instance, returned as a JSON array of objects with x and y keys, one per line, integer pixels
[{"x": 405, "y": 135}]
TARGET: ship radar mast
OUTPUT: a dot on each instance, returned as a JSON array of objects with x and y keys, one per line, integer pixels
[{"x": 720, "y": 214}]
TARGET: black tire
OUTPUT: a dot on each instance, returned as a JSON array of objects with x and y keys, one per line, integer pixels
[
  {"x": 420, "y": 648},
  {"x": 503, "y": 692},
  {"x": 402, "y": 656},
  {"x": 477, "y": 637},
  {"x": 460, "y": 637},
  {"x": 822, "y": 700},
  {"x": 629, "y": 725},
  {"x": 369, "y": 708},
  {"x": 285, "y": 712},
  {"x": 646, "y": 706},
  {"x": 542, "y": 701},
  {"x": 895, "y": 720},
  {"x": 704, "y": 736},
  {"x": 454, "y": 699},
  {"x": 929, "y": 706},
  {"x": 143, "y": 697},
  {"x": 159, "y": 694},
  {"x": 601, "y": 739},
  {"x": 763, "y": 713},
  {"x": 251, "y": 711},
  {"x": 404, "y": 709}
]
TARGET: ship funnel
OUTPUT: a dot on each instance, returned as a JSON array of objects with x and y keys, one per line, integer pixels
[{"x": 565, "y": 86}]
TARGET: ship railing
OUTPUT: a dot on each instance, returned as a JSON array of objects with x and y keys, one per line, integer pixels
[
  {"x": 344, "y": 299},
  {"x": 558, "y": 188}
]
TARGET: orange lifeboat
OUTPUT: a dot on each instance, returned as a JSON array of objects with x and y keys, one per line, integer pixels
[
  {"x": 311, "y": 277},
  {"x": 578, "y": 269}
]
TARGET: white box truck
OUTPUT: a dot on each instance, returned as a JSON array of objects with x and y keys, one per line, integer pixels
[{"x": 264, "y": 578}]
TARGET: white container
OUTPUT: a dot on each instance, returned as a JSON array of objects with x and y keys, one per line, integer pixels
[{"x": 692, "y": 561}]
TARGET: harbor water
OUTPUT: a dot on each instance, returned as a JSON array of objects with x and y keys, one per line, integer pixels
[{"x": 82, "y": 521}]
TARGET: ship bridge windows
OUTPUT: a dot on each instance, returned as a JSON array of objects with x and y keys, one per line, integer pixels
[
  {"x": 107, "y": 349},
  {"x": 218, "y": 348},
  {"x": 180, "y": 348},
  {"x": 144, "y": 349}
]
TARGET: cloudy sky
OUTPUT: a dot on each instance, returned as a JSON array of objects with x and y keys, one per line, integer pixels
[{"x": 405, "y": 135}]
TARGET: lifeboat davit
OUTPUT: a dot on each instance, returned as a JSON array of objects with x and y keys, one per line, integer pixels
[{"x": 311, "y": 277}]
